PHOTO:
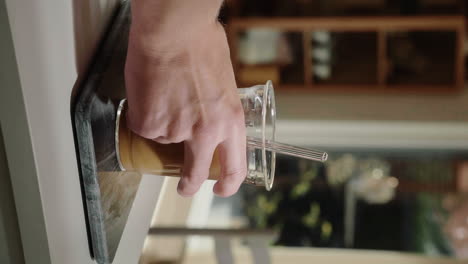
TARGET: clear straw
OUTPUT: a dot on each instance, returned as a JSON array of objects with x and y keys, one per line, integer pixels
[{"x": 289, "y": 150}]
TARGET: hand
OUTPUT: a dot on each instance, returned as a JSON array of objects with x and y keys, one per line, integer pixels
[{"x": 181, "y": 88}]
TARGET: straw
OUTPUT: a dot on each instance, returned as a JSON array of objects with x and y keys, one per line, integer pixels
[{"x": 289, "y": 150}]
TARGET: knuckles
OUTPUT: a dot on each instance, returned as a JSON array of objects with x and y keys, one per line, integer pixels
[
  {"x": 214, "y": 126},
  {"x": 178, "y": 135},
  {"x": 143, "y": 128}
]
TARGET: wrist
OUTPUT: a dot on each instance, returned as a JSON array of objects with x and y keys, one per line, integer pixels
[
  {"x": 171, "y": 42},
  {"x": 166, "y": 21}
]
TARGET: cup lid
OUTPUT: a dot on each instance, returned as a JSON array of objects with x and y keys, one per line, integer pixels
[{"x": 269, "y": 132}]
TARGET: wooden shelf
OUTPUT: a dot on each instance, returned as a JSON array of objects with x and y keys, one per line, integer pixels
[
  {"x": 393, "y": 23},
  {"x": 383, "y": 27},
  {"x": 368, "y": 88}
]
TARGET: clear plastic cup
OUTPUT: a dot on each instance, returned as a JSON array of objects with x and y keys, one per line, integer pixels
[{"x": 135, "y": 153}]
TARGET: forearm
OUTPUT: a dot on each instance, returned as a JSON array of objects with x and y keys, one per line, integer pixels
[{"x": 157, "y": 20}]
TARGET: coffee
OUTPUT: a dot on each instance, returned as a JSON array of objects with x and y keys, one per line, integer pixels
[{"x": 147, "y": 156}]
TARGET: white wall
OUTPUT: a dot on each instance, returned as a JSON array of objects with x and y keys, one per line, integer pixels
[
  {"x": 10, "y": 241},
  {"x": 50, "y": 58},
  {"x": 18, "y": 166},
  {"x": 11, "y": 251}
]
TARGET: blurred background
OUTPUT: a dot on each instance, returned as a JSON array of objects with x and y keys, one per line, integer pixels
[{"x": 380, "y": 85}]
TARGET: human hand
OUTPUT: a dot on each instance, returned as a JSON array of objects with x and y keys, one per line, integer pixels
[{"x": 181, "y": 88}]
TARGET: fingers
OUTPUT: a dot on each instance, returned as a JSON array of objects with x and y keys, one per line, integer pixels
[
  {"x": 232, "y": 154},
  {"x": 198, "y": 154}
]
